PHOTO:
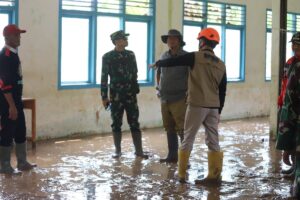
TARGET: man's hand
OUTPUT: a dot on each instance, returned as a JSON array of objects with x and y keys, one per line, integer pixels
[
  {"x": 157, "y": 92},
  {"x": 152, "y": 66},
  {"x": 105, "y": 103},
  {"x": 13, "y": 113},
  {"x": 287, "y": 156}
]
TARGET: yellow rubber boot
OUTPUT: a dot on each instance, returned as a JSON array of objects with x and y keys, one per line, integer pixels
[
  {"x": 183, "y": 159},
  {"x": 215, "y": 163}
]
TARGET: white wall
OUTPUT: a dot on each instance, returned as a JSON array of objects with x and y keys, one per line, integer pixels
[{"x": 63, "y": 112}]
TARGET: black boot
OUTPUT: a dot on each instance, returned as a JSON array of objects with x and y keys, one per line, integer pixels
[
  {"x": 117, "y": 141},
  {"x": 290, "y": 173},
  {"x": 137, "y": 141},
  {"x": 173, "y": 149}
]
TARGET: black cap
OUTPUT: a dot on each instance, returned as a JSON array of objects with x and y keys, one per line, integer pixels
[
  {"x": 296, "y": 38},
  {"x": 173, "y": 32}
]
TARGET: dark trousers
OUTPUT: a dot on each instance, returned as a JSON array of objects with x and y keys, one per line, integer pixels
[
  {"x": 126, "y": 103},
  {"x": 12, "y": 129}
]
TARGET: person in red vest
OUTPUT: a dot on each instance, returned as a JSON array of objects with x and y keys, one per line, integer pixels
[{"x": 12, "y": 123}]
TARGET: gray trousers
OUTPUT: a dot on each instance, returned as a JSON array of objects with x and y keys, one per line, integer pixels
[{"x": 194, "y": 117}]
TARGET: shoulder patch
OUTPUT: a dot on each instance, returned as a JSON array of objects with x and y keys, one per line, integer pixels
[
  {"x": 7, "y": 52},
  {"x": 290, "y": 61}
]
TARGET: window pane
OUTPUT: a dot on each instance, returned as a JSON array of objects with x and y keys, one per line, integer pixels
[
  {"x": 289, "y": 51},
  {"x": 293, "y": 21},
  {"x": 193, "y": 10},
  {"x": 7, "y": 3},
  {"x": 141, "y": 7},
  {"x": 190, "y": 34},
  {"x": 233, "y": 53},
  {"x": 105, "y": 27},
  {"x": 4, "y": 20},
  {"x": 293, "y": 25},
  {"x": 298, "y": 23},
  {"x": 290, "y": 22},
  {"x": 218, "y": 48},
  {"x": 83, "y": 5},
  {"x": 75, "y": 50},
  {"x": 138, "y": 44},
  {"x": 235, "y": 15},
  {"x": 269, "y": 19},
  {"x": 214, "y": 13},
  {"x": 268, "y": 56},
  {"x": 110, "y": 6}
]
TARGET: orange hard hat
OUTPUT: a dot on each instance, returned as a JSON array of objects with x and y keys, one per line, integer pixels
[{"x": 209, "y": 34}]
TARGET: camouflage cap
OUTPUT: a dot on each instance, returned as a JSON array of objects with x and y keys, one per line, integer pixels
[{"x": 118, "y": 35}]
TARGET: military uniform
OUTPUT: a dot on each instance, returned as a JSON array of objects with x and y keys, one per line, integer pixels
[
  {"x": 289, "y": 112},
  {"x": 288, "y": 138},
  {"x": 121, "y": 68}
]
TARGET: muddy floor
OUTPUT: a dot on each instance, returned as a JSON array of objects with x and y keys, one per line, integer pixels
[{"x": 82, "y": 168}]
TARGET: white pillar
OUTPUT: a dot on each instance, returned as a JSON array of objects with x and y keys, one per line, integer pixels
[{"x": 175, "y": 14}]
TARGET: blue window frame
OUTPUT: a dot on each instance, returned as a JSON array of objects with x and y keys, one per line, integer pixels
[
  {"x": 8, "y": 15},
  {"x": 293, "y": 25},
  {"x": 229, "y": 20},
  {"x": 85, "y": 28}
]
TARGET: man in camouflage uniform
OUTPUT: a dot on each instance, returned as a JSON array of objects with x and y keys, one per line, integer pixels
[
  {"x": 288, "y": 138},
  {"x": 120, "y": 65}
]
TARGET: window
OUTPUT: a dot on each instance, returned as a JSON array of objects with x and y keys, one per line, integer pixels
[
  {"x": 85, "y": 31},
  {"x": 7, "y": 15},
  {"x": 229, "y": 21},
  {"x": 293, "y": 25},
  {"x": 75, "y": 63}
]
